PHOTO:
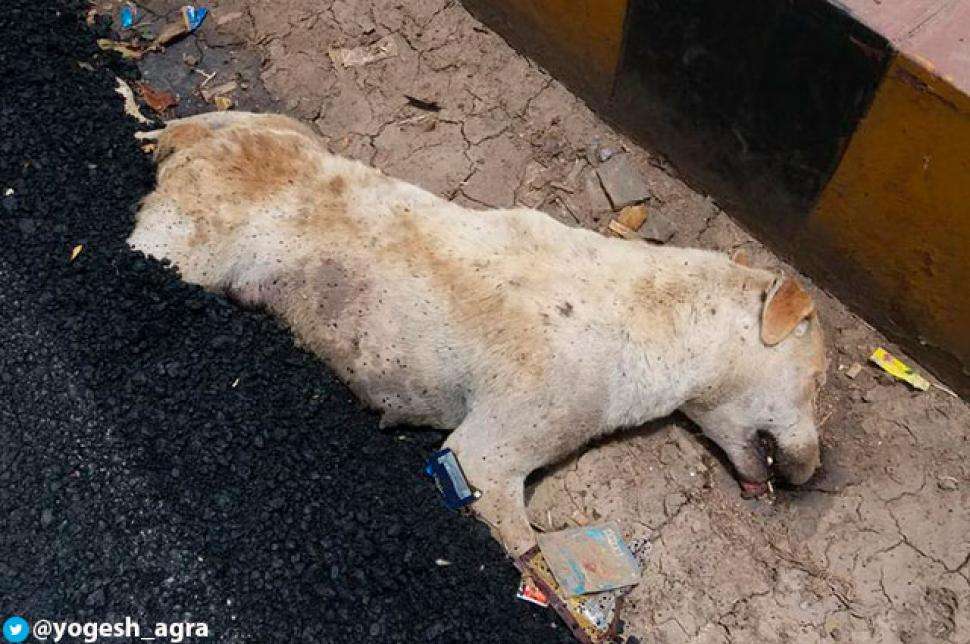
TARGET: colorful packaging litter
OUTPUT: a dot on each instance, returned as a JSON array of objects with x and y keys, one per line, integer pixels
[
  {"x": 193, "y": 17},
  {"x": 898, "y": 369},
  {"x": 130, "y": 15},
  {"x": 589, "y": 559}
]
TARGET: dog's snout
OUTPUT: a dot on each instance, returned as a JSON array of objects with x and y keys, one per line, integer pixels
[{"x": 797, "y": 456}]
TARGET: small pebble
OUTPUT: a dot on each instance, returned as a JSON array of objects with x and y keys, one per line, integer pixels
[{"x": 947, "y": 483}]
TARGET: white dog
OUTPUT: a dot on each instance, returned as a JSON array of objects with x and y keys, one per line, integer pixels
[{"x": 527, "y": 337}]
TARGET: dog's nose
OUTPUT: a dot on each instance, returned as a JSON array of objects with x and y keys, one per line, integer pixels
[{"x": 797, "y": 455}]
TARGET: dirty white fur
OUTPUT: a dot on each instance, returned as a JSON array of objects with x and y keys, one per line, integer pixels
[{"x": 527, "y": 337}]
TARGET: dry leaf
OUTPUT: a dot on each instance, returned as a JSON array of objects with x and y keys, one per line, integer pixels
[
  {"x": 131, "y": 107},
  {"x": 386, "y": 47},
  {"x": 169, "y": 33},
  {"x": 633, "y": 216},
  {"x": 76, "y": 251},
  {"x": 421, "y": 104},
  {"x": 620, "y": 230},
  {"x": 223, "y": 103},
  {"x": 229, "y": 17},
  {"x": 158, "y": 100},
  {"x": 226, "y": 88},
  {"x": 127, "y": 51}
]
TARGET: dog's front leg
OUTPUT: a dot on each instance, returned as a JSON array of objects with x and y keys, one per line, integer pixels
[{"x": 496, "y": 464}]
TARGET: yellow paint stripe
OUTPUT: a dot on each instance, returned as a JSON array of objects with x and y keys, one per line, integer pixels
[{"x": 896, "y": 215}]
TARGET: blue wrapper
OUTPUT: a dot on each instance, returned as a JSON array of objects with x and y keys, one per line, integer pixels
[
  {"x": 444, "y": 468},
  {"x": 193, "y": 16},
  {"x": 129, "y": 16}
]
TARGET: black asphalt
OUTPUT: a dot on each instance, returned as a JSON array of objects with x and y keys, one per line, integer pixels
[{"x": 137, "y": 476}]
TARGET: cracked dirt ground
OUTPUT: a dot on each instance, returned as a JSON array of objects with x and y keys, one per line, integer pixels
[{"x": 875, "y": 548}]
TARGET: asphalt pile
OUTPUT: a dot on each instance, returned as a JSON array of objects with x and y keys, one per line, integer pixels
[{"x": 168, "y": 456}]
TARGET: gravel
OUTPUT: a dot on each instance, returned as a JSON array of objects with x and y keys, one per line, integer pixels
[{"x": 137, "y": 476}]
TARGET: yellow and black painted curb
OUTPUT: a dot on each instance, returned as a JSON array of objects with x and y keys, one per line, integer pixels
[{"x": 846, "y": 155}]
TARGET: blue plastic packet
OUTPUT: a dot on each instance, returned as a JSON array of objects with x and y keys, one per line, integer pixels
[
  {"x": 193, "y": 17},
  {"x": 129, "y": 15},
  {"x": 444, "y": 468}
]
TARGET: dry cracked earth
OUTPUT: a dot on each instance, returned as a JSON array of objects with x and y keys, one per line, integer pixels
[{"x": 875, "y": 549}]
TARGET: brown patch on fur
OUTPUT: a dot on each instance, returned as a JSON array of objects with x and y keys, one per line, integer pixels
[
  {"x": 325, "y": 217},
  {"x": 337, "y": 186},
  {"x": 179, "y": 137},
  {"x": 264, "y": 294},
  {"x": 788, "y": 305},
  {"x": 257, "y": 165},
  {"x": 485, "y": 309},
  {"x": 316, "y": 301},
  {"x": 207, "y": 225},
  {"x": 332, "y": 289},
  {"x": 237, "y": 168}
]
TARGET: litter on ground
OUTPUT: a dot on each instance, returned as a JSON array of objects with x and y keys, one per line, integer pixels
[
  {"x": 421, "y": 104},
  {"x": 209, "y": 95},
  {"x": 229, "y": 17},
  {"x": 130, "y": 15},
  {"x": 157, "y": 99},
  {"x": 589, "y": 559},
  {"x": 131, "y": 107},
  {"x": 192, "y": 19},
  {"x": 528, "y": 591},
  {"x": 898, "y": 369},
  {"x": 591, "y": 618},
  {"x": 628, "y": 221},
  {"x": 444, "y": 468},
  {"x": 131, "y": 52},
  {"x": 384, "y": 48}
]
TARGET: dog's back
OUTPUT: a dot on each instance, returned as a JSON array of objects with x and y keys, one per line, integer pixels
[{"x": 407, "y": 295}]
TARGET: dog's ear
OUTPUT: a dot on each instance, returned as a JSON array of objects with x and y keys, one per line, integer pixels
[{"x": 786, "y": 305}]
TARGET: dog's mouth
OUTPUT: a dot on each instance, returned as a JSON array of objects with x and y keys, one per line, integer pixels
[{"x": 766, "y": 449}]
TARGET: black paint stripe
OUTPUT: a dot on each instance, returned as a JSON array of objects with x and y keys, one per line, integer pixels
[{"x": 753, "y": 100}]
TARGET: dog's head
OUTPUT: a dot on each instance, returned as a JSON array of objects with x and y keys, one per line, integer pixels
[{"x": 762, "y": 408}]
